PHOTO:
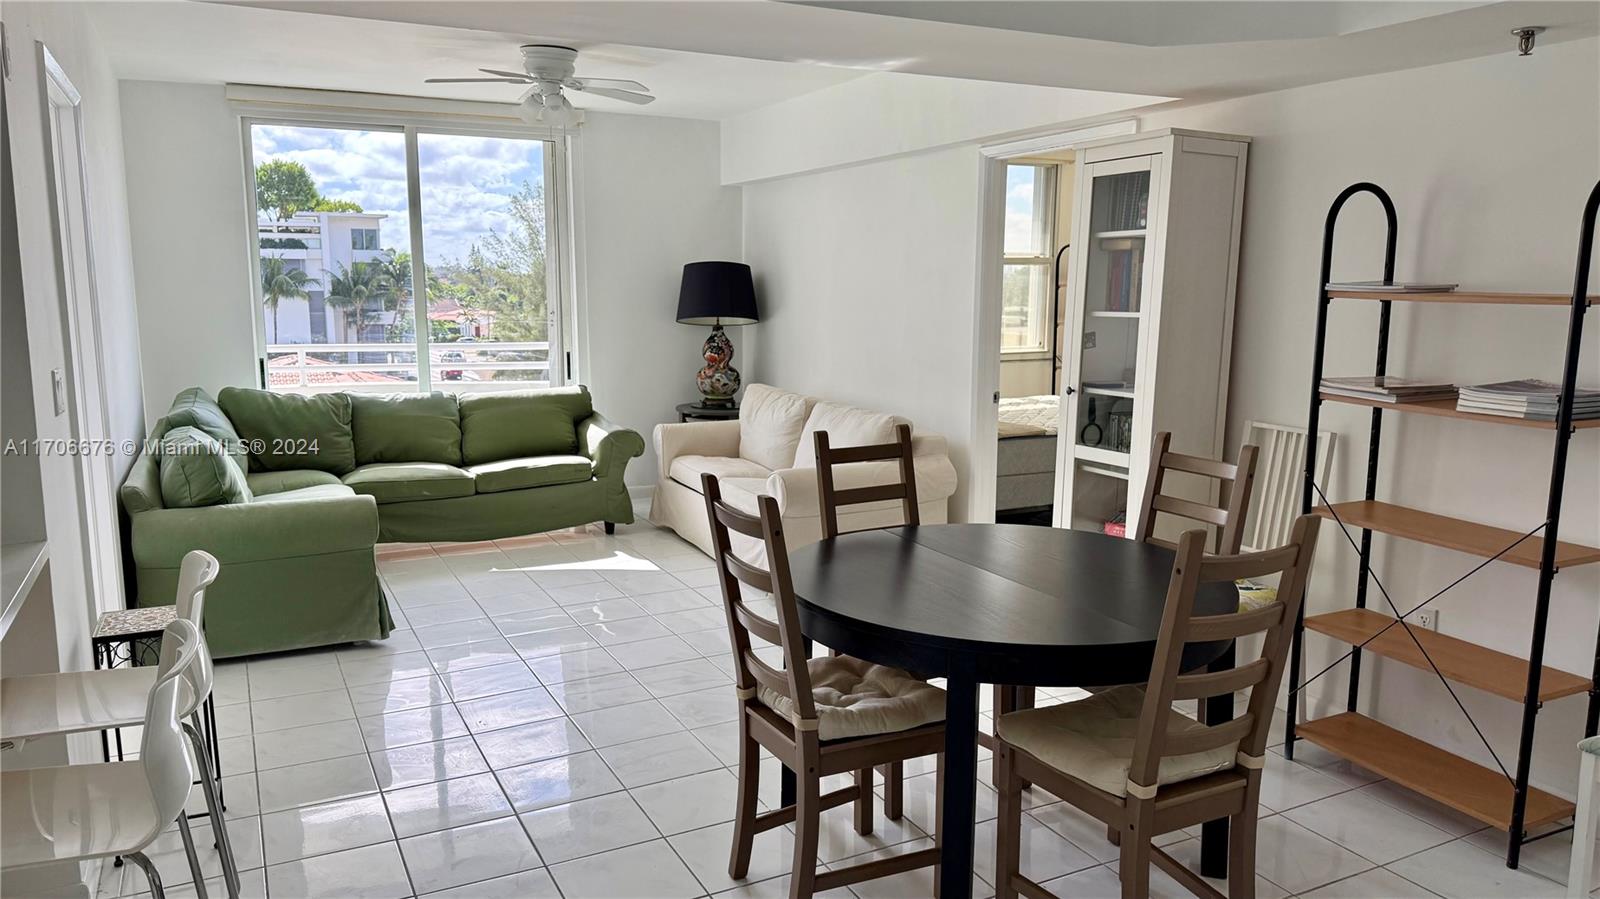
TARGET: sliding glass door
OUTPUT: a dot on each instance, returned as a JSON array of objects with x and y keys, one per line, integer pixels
[{"x": 394, "y": 258}]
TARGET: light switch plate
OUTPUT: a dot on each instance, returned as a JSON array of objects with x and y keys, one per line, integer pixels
[{"x": 58, "y": 390}]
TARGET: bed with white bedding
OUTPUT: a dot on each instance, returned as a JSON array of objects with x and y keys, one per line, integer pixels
[{"x": 1026, "y": 473}]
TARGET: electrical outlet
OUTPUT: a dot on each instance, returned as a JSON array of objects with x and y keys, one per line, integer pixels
[{"x": 1427, "y": 619}]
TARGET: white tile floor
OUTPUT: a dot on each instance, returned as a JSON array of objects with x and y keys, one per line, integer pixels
[{"x": 552, "y": 718}]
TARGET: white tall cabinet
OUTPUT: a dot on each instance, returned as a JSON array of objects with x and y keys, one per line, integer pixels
[{"x": 1153, "y": 272}]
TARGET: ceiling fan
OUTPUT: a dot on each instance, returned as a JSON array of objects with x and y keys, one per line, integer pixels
[{"x": 550, "y": 69}]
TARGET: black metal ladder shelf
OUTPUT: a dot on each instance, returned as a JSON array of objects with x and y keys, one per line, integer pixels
[{"x": 1500, "y": 797}]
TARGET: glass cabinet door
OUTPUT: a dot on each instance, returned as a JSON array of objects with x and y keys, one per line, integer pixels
[
  {"x": 1114, "y": 219},
  {"x": 1113, "y": 303}
]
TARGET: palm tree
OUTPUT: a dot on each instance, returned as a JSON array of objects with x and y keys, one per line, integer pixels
[
  {"x": 394, "y": 270},
  {"x": 352, "y": 290},
  {"x": 279, "y": 282}
]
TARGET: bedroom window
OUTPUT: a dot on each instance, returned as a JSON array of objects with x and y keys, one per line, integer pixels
[{"x": 1030, "y": 243}]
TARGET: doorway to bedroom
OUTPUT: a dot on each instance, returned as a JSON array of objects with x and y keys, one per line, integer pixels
[{"x": 1036, "y": 246}]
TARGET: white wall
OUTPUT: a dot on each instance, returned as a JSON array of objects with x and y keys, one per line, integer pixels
[
  {"x": 866, "y": 277},
  {"x": 191, "y": 242},
  {"x": 868, "y": 271},
  {"x": 70, "y": 38},
  {"x": 1489, "y": 162},
  {"x": 651, "y": 201},
  {"x": 66, "y": 30},
  {"x": 51, "y": 632},
  {"x": 891, "y": 113}
]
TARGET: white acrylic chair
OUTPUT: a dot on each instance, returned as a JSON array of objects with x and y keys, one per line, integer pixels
[
  {"x": 80, "y": 812},
  {"x": 40, "y": 705},
  {"x": 1583, "y": 822}
]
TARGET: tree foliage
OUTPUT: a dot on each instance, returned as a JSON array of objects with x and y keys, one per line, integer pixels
[
  {"x": 327, "y": 204},
  {"x": 284, "y": 187},
  {"x": 280, "y": 282},
  {"x": 505, "y": 276}
]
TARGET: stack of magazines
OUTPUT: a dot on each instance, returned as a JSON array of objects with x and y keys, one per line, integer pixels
[
  {"x": 1389, "y": 389},
  {"x": 1529, "y": 399}
]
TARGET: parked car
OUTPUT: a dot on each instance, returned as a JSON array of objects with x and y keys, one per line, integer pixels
[{"x": 452, "y": 374}]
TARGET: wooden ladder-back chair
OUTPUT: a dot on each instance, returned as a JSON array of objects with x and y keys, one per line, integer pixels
[
  {"x": 831, "y": 499},
  {"x": 1129, "y": 759},
  {"x": 1238, "y": 480},
  {"x": 779, "y": 713}
]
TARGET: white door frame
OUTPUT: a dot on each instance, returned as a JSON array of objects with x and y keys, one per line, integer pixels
[
  {"x": 89, "y": 418},
  {"x": 986, "y": 322}
]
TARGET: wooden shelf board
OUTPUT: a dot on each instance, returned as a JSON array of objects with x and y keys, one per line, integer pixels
[
  {"x": 1467, "y": 787},
  {"x": 1461, "y": 296},
  {"x": 1459, "y": 660},
  {"x": 1454, "y": 533},
  {"x": 1447, "y": 409}
]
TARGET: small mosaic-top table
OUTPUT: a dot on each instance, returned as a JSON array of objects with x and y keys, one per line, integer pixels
[{"x": 133, "y": 637}]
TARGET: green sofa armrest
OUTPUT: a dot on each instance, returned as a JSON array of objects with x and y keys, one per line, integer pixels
[
  {"x": 609, "y": 444},
  {"x": 257, "y": 531}
]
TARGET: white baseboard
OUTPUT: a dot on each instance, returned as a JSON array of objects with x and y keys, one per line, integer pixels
[{"x": 641, "y": 492}]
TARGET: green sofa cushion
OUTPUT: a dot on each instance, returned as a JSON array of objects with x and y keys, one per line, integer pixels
[
  {"x": 141, "y": 492},
  {"x": 267, "y": 483},
  {"x": 195, "y": 408},
  {"x": 300, "y": 494},
  {"x": 197, "y": 471},
  {"x": 534, "y": 471},
  {"x": 403, "y": 482},
  {"x": 406, "y": 428},
  {"x": 521, "y": 423},
  {"x": 287, "y": 431}
]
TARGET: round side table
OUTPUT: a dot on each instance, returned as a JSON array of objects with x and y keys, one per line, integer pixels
[{"x": 700, "y": 412}]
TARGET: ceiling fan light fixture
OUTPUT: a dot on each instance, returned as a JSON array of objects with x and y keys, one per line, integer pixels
[
  {"x": 559, "y": 112},
  {"x": 531, "y": 109}
]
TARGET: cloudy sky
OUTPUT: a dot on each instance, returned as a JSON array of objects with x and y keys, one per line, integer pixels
[
  {"x": 1021, "y": 238},
  {"x": 467, "y": 182}
]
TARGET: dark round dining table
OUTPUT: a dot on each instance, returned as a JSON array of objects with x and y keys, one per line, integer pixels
[{"x": 1016, "y": 605}]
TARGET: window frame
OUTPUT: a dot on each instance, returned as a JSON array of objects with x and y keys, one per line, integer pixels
[
  {"x": 1046, "y": 198},
  {"x": 260, "y": 107}
]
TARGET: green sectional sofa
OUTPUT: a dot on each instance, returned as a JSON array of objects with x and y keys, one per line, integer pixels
[{"x": 291, "y": 493}]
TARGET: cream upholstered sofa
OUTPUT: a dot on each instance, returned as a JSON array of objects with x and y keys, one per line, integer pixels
[{"x": 770, "y": 450}]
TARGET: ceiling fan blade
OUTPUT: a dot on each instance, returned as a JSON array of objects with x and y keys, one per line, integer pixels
[
  {"x": 613, "y": 93},
  {"x": 475, "y": 80},
  {"x": 505, "y": 74},
  {"x": 622, "y": 83}
]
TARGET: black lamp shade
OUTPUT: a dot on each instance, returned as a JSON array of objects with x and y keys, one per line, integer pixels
[{"x": 717, "y": 293}]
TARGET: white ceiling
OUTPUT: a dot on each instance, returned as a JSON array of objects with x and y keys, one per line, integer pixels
[
  {"x": 170, "y": 40},
  {"x": 1158, "y": 23},
  {"x": 990, "y": 51},
  {"x": 718, "y": 58}
]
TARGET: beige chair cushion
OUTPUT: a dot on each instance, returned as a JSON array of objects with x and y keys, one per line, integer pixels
[
  {"x": 769, "y": 425},
  {"x": 846, "y": 426},
  {"x": 686, "y": 470},
  {"x": 1092, "y": 739},
  {"x": 855, "y": 698}
]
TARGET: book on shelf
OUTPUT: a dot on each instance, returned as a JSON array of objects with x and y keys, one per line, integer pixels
[
  {"x": 1394, "y": 286},
  {"x": 1388, "y": 389},
  {"x": 1530, "y": 399}
]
